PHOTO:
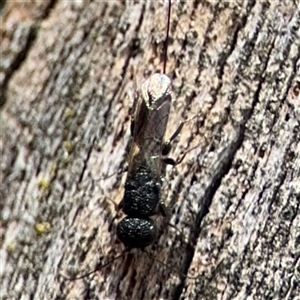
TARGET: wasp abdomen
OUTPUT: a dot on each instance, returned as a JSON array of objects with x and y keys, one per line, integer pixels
[
  {"x": 136, "y": 232},
  {"x": 142, "y": 193}
]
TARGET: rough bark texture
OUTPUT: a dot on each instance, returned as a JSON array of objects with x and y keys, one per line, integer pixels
[{"x": 68, "y": 69}]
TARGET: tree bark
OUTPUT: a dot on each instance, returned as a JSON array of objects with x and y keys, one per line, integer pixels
[{"x": 68, "y": 72}]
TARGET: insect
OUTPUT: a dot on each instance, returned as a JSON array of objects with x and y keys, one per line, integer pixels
[
  {"x": 147, "y": 162},
  {"x": 143, "y": 184}
]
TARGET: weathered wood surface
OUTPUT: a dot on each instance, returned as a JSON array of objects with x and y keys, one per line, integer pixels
[{"x": 67, "y": 72}]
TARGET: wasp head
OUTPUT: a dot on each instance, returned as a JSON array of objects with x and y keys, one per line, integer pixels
[{"x": 156, "y": 90}]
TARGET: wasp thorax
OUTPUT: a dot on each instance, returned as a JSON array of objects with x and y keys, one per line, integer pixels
[
  {"x": 136, "y": 233},
  {"x": 156, "y": 90}
]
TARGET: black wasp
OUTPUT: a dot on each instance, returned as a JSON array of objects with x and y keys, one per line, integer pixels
[
  {"x": 147, "y": 161},
  {"x": 146, "y": 165}
]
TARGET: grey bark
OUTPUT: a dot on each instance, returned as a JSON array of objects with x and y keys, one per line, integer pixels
[{"x": 68, "y": 69}]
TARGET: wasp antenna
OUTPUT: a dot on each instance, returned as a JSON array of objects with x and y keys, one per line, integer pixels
[
  {"x": 171, "y": 268},
  {"x": 167, "y": 38},
  {"x": 98, "y": 268}
]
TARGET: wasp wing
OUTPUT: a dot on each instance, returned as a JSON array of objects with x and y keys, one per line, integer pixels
[{"x": 150, "y": 121}]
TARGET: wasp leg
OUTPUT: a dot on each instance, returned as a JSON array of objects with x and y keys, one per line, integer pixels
[
  {"x": 117, "y": 215},
  {"x": 119, "y": 172},
  {"x": 167, "y": 146},
  {"x": 173, "y": 162},
  {"x": 117, "y": 206},
  {"x": 166, "y": 213},
  {"x": 170, "y": 161},
  {"x": 163, "y": 209},
  {"x": 135, "y": 100}
]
